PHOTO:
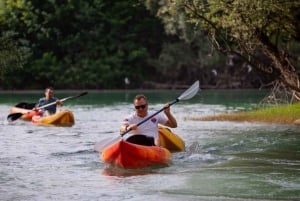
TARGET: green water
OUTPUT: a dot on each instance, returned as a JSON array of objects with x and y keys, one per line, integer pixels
[
  {"x": 230, "y": 98},
  {"x": 222, "y": 161}
]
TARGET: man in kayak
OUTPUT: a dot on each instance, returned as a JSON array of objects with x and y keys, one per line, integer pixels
[
  {"x": 49, "y": 98},
  {"x": 148, "y": 129}
]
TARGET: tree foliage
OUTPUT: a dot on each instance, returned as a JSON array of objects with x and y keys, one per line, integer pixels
[
  {"x": 12, "y": 54},
  {"x": 82, "y": 43},
  {"x": 266, "y": 34},
  {"x": 96, "y": 44}
]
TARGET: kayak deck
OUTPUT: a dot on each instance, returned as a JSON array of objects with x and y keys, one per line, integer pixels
[
  {"x": 170, "y": 140},
  {"x": 124, "y": 154},
  {"x": 62, "y": 118}
]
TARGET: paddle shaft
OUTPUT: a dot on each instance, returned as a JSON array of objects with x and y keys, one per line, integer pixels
[{"x": 62, "y": 100}]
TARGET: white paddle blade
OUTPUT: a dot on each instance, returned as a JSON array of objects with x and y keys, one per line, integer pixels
[
  {"x": 190, "y": 92},
  {"x": 99, "y": 146}
]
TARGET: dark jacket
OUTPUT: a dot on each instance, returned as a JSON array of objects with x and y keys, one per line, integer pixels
[{"x": 51, "y": 109}]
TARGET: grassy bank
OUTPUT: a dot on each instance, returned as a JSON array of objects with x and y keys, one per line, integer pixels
[{"x": 285, "y": 114}]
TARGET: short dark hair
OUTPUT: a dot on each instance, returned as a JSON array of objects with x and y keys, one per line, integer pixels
[
  {"x": 50, "y": 88},
  {"x": 139, "y": 97}
]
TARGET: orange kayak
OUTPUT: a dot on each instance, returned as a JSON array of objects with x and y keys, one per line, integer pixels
[
  {"x": 124, "y": 154},
  {"x": 27, "y": 114},
  {"x": 61, "y": 118}
]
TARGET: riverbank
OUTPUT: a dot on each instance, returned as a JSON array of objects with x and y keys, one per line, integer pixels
[{"x": 284, "y": 114}]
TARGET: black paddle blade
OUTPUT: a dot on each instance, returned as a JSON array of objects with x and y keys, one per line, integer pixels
[
  {"x": 13, "y": 117},
  {"x": 25, "y": 105},
  {"x": 82, "y": 94},
  {"x": 72, "y": 97}
]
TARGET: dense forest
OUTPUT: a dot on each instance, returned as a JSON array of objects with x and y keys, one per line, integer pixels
[{"x": 97, "y": 44}]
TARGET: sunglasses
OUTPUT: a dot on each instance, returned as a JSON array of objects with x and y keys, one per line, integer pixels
[{"x": 140, "y": 106}]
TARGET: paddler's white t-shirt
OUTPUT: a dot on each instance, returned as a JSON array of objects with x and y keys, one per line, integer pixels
[{"x": 149, "y": 128}]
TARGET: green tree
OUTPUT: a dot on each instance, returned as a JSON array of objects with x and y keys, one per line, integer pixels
[
  {"x": 83, "y": 43},
  {"x": 12, "y": 54},
  {"x": 266, "y": 34}
]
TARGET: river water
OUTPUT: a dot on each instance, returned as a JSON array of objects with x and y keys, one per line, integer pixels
[{"x": 222, "y": 161}]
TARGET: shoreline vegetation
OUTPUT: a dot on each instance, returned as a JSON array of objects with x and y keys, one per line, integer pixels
[
  {"x": 278, "y": 114},
  {"x": 177, "y": 88},
  {"x": 283, "y": 114}
]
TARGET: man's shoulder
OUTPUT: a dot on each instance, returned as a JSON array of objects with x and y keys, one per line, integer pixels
[
  {"x": 42, "y": 99},
  {"x": 153, "y": 112},
  {"x": 131, "y": 115}
]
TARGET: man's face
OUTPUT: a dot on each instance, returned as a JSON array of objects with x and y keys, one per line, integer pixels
[
  {"x": 48, "y": 93},
  {"x": 141, "y": 107}
]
